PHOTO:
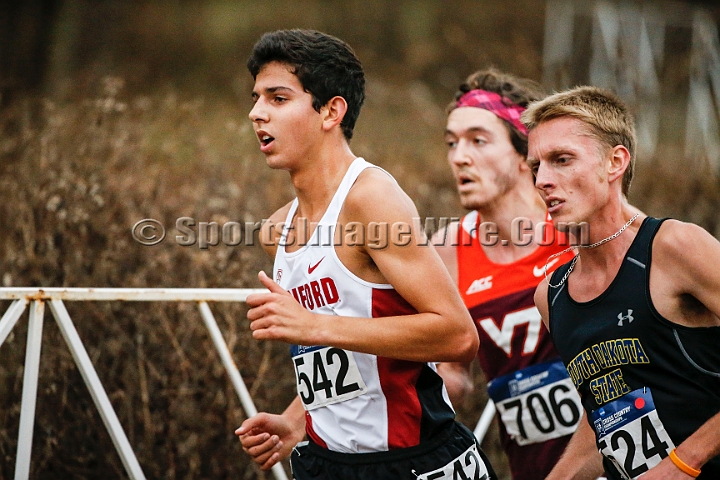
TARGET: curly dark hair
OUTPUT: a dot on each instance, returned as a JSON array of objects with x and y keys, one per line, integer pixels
[
  {"x": 325, "y": 65},
  {"x": 515, "y": 90}
]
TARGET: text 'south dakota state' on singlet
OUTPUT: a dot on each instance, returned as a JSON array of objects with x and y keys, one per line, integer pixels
[
  {"x": 355, "y": 402},
  {"x": 646, "y": 383},
  {"x": 537, "y": 403}
]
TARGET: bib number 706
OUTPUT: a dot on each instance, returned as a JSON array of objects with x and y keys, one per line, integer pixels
[
  {"x": 542, "y": 414},
  {"x": 326, "y": 376}
]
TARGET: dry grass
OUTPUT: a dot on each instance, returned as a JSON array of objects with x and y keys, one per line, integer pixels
[
  {"x": 74, "y": 179},
  {"x": 77, "y": 173}
]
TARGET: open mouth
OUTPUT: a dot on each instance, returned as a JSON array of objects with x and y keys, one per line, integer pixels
[
  {"x": 463, "y": 179},
  {"x": 266, "y": 140},
  {"x": 553, "y": 205}
]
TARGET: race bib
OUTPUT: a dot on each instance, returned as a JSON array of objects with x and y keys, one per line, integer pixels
[
  {"x": 630, "y": 434},
  {"x": 468, "y": 466},
  {"x": 326, "y": 375},
  {"x": 537, "y": 403}
]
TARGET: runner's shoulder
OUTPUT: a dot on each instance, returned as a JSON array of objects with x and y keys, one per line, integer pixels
[
  {"x": 679, "y": 239},
  {"x": 376, "y": 196},
  {"x": 688, "y": 255}
]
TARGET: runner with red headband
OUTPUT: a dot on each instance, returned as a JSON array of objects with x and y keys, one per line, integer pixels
[{"x": 497, "y": 271}]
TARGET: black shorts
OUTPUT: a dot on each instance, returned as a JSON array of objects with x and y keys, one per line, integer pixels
[{"x": 453, "y": 454}]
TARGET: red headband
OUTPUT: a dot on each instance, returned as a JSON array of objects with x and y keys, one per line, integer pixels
[{"x": 494, "y": 103}]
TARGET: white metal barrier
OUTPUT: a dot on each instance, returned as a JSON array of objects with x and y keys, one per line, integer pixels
[
  {"x": 37, "y": 297},
  {"x": 485, "y": 420}
]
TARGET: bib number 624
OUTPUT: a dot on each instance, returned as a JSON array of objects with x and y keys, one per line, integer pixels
[{"x": 637, "y": 447}]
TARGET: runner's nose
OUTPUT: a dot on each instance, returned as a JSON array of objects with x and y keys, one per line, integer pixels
[
  {"x": 460, "y": 154},
  {"x": 543, "y": 179},
  {"x": 258, "y": 113}
]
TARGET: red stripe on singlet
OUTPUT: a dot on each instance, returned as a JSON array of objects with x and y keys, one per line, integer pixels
[
  {"x": 311, "y": 433},
  {"x": 398, "y": 378}
]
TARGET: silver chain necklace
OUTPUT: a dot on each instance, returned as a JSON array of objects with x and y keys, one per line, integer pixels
[{"x": 575, "y": 258}]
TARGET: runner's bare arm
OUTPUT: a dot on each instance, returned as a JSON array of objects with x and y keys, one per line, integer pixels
[
  {"x": 444, "y": 242},
  {"x": 456, "y": 376},
  {"x": 441, "y": 331},
  {"x": 687, "y": 262},
  {"x": 581, "y": 459},
  {"x": 695, "y": 451},
  {"x": 542, "y": 304}
]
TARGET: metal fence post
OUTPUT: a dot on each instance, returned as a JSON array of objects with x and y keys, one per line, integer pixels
[
  {"x": 29, "y": 393},
  {"x": 102, "y": 402},
  {"x": 485, "y": 420},
  {"x": 234, "y": 373},
  {"x": 10, "y": 318}
]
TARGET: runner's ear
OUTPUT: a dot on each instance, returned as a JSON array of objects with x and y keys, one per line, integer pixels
[
  {"x": 619, "y": 162},
  {"x": 333, "y": 112}
]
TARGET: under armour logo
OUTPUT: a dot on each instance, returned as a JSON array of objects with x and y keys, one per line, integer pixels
[{"x": 627, "y": 317}]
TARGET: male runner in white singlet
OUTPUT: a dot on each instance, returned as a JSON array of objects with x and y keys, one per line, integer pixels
[{"x": 365, "y": 318}]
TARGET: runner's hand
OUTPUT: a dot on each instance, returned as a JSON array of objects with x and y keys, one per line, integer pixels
[
  {"x": 666, "y": 470},
  {"x": 278, "y": 316},
  {"x": 267, "y": 438}
]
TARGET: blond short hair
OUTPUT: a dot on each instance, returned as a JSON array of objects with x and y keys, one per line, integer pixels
[{"x": 606, "y": 116}]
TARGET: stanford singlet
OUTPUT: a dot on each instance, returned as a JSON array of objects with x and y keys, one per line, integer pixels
[
  {"x": 535, "y": 398},
  {"x": 646, "y": 383},
  {"x": 356, "y": 402}
]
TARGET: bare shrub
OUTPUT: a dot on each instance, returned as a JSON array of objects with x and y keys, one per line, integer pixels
[{"x": 74, "y": 178}]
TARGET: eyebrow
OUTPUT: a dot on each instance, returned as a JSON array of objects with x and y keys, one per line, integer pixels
[
  {"x": 470, "y": 130},
  {"x": 559, "y": 151},
  {"x": 554, "y": 153},
  {"x": 277, "y": 89}
]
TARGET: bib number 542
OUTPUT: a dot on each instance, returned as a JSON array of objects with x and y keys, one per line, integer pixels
[{"x": 326, "y": 376}]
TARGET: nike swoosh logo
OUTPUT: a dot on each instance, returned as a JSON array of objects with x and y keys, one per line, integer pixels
[
  {"x": 312, "y": 269},
  {"x": 540, "y": 271}
]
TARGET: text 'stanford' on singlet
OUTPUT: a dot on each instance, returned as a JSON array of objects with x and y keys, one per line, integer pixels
[
  {"x": 525, "y": 374},
  {"x": 646, "y": 383},
  {"x": 355, "y": 402}
]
